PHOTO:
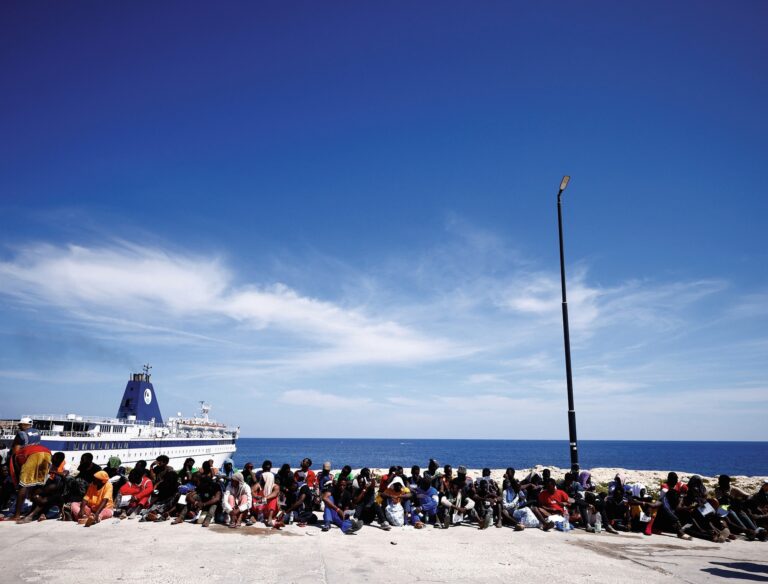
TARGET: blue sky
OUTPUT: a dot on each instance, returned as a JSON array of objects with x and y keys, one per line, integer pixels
[{"x": 338, "y": 219}]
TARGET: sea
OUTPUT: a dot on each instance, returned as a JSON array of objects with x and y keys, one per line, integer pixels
[{"x": 706, "y": 458}]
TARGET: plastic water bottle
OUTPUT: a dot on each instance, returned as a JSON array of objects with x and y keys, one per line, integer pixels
[
  {"x": 598, "y": 523},
  {"x": 566, "y": 522}
]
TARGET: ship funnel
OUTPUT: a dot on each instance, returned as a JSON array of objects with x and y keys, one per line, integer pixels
[{"x": 139, "y": 400}]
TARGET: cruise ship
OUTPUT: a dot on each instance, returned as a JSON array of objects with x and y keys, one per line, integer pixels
[{"x": 137, "y": 432}]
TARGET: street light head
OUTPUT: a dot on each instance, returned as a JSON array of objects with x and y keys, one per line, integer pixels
[{"x": 564, "y": 182}]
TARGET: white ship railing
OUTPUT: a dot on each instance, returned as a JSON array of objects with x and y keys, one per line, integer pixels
[{"x": 90, "y": 419}]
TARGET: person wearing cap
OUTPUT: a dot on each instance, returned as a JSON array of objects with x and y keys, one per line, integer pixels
[
  {"x": 325, "y": 476},
  {"x": 237, "y": 500},
  {"x": 30, "y": 463}
]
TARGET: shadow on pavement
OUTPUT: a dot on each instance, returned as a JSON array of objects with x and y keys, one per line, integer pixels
[{"x": 750, "y": 571}]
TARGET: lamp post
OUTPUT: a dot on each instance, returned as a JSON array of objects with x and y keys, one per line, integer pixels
[{"x": 567, "y": 337}]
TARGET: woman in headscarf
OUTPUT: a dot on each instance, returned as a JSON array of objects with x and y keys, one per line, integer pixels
[{"x": 97, "y": 503}]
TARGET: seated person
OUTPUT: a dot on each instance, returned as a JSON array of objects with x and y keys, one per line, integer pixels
[
  {"x": 757, "y": 507},
  {"x": 514, "y": 510},
  {"x": 87, "y": 468},
  {"x": 666, "y": 518},
  {"x": 163, "y": 498},
  {"x": 425, "y": 499},
  {"x": 732, "y": 507},
  {"x": 365, "y": 500},
  {"x": 158, "y": 469},
  {"x": 97, "y": 503},
  {"x": 302, "y": 508},
  {"x": 137, "y": 490},
  {"x": 699, "y": 515},
  {"x": 454, "y": 505},
  {"x": 265, "y": 493},
  {"x": 236, "y": 503},
  {"x": 185, "y": 474},
  {"x": 552, "y": 501},
  {"x": 615, "y": 514},
  {"x": 337, "y": 500},
  {"x": 205, "y": 500},
  {"x": 486, "y": 500},
  {"x": 578, "y": 510}
]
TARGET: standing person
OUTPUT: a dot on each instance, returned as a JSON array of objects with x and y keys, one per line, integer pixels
[
  {"x": 30, "y": 463},
  {"x": 97, "y": 503},
  {"x": 49, "y": 500}
]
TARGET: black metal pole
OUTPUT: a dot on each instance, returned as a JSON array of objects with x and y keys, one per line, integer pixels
[{"x": 567, "y": 341}]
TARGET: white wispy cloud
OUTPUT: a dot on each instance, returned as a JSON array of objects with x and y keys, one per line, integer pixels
[{"x": 138, "y": 285}]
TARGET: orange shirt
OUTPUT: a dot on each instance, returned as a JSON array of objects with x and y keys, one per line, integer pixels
[{"x": 95, "y": 495}]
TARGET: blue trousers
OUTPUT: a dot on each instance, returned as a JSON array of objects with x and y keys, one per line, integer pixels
[{"x": 331, "y": 516}]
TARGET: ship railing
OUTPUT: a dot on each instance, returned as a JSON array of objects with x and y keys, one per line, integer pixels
[{"x": 90, "y": 419}]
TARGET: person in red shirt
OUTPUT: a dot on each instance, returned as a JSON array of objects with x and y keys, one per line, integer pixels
[{"x": 553, "y": 501}]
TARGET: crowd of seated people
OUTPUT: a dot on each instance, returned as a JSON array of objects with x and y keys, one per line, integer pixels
[{"x": 348, "y": 500}]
